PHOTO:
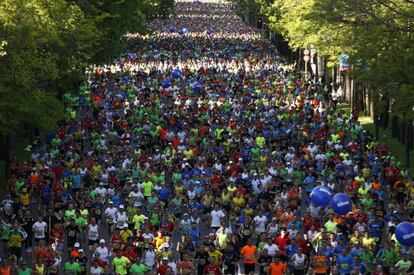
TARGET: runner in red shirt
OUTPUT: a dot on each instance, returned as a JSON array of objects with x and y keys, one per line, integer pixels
[
  {"x": 186, "y": 267},
  {"x": 164, "y": 268},
  {"x": 212, "y": 268}
]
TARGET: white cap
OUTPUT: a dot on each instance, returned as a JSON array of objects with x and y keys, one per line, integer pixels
[
  {"x": 77, "y": 245},
  {"x": 102, "y": 241},
  {"x": 121, "y": 206}
]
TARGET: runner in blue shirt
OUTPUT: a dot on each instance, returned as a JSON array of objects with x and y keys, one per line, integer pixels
[{"x": 344, "y": 262}]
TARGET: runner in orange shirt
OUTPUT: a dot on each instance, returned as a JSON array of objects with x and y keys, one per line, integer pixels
[
  {"x": 277, "y": 267},
  {"x": 249, "y": 253},
  {"x": 320, "y": 263}
]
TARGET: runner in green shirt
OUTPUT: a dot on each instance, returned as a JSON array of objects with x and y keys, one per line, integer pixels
[
  {"x": 5, "y": 231},
  {"x": 404, "y": 264},
  {"x": 138, "y": 220},
  {"x": 121, "y": 263},
  {"x": 330, "y": 225},
  {"x": 23, "y": 269},
  {"x": 72, "y": 267},
  {"x": 137, "y": 268},
  {"x": 147, "y": 186}
]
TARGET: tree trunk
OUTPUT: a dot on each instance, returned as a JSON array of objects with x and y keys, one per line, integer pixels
[
  {"x": 410, "y": 134},
  {"x": 377, "y": 121},
  {"x": 403, "y": 132},
  {"x": 317, "y": 67},
  {"x": 386, "y": 114},
  {"x": 394, "y": 127},
  {"x": 407, "y": 143},
  {"x": 6, "y": 156}
]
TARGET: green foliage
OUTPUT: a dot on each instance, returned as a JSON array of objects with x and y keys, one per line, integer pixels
[
  {"x": 164, "y": 7},
  {"x": 112, "y": 19},
  {"x": 46, "y": 45},
  {"x": 377, "y": 34},
  {"x": 247, "y": 8},
  {"x": 34, "y": 56}
]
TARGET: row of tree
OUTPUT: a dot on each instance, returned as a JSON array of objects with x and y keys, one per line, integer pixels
[
  {"x": 378, "y": 35},
  {"x": 46, "y": 45}
]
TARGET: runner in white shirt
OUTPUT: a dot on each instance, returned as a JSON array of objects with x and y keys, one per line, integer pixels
[
  {"x": 260, "y": 222},
  {"x": 103, "y": 251},
  {"x": 110, "y": 214},
  {"x": 149, "y": 258},
  {"x": 136, "y": 196},
  {"x": 148, "y": 237},
  {"x": 312, "y": 233},
  {"x": 95, "y": 269},
  {"x": 39, "y": 229},
  {"x": 293, "y": 232},
  {"x": 298, "y": 260},
  {"x": 121, "y": 217},
  {"x": 216, "y": 216},
  {"x": 173, "y": 265},
  {"x": 101, "y": 191},
  {"x": 272, "y": 227},
  {"x": 92, "y": 231},
  {"x": 271, "y": 248}
]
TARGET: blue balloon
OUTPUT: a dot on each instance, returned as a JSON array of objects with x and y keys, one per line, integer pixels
[
  {"x": 405, "y": 233},
  {"x": 341, "y": 204},
  {"x": 321, "y": 196},
  {"x": 197, "y": 87},
  {"x": 185, "y": 30},
  {"x": 181, "y": 32},
  {"x": 172, "y": 29},
  {"x": 209, "y": 31},
  {"x": 176, "y": 73},
  {"x": 166, "y": 83}
]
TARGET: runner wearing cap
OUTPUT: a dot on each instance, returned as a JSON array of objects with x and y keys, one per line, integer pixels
[{"x": 103, "y": 251}]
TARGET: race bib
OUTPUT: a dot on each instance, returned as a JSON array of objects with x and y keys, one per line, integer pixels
[
  {"x": 39, "y": 233},
  {"x": 71, "y": 233},
  {"x": 247, "y": 232},
  {"x": 93, "y": 235},
  {"x": 251, "y": 258}
]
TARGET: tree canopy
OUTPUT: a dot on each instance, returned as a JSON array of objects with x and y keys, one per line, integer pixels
[
  {"x": 378, "y": 35},
  {"x": 45, "y": 47}
]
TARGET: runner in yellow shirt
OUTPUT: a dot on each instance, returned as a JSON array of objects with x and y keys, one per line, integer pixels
[{"x": 121, "y": 263}]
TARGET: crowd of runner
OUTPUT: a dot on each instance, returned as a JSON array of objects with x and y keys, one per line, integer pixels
[{"x": 195, "y": 154}]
